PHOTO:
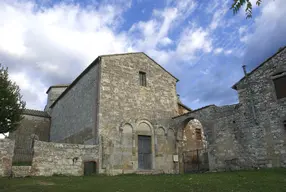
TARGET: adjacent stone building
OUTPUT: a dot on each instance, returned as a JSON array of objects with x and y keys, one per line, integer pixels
[
  {"x": 251, "y": 133},
  {"x": 127, "y": 106},
  {"x": 34, "y": 126}
]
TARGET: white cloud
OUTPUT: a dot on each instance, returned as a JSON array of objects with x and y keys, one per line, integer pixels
[
  {"x": 165, "y": 41},
  {"x": 227, "y": 52},
  {"x": 217, "y": 19},
  {"x": 269, "y": 33},
  {"x": 192, "y": 40},
  {"x": 33, "y": 89},
  {"x": 55, "y": 44},
  {"x": 218, "y": 50}
]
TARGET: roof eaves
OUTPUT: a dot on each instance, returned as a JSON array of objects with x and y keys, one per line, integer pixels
[
  {"x": 235, "y": 85},
  {"x": 118, "y": 54},
  {"x": 161, "y": 67},
  {"x": 34, "y": 112},
  {"x": 184, "y": 106}
]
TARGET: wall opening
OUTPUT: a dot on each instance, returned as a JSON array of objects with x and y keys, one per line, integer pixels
[
  {"x": 194, "y": 144},
  {"x": 284, "y": 123},
  {"x": 280, "y": 84},
  {"x": 142, "y": 78},
  {"x": 89, "y": 168}
]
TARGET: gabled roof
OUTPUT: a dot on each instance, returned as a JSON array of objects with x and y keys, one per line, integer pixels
[
  {"x": 280, "y": 50},
  {"x": 94, "y": 63},
  {"x": 34, "y": 112}
]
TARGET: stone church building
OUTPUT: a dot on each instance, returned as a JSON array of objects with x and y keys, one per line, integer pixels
[{"x": 127, "y": 105}]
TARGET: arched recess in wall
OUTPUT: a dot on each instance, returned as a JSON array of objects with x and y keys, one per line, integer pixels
[
  {"x": 126, "y": 146},
  {"x": 144, "y": 128},
  {"x": 193, "y": 135},
  {"x": 161, "y": 141},
  {"x": 145, "y": 145},
  {"x": 171, "y": 140}
]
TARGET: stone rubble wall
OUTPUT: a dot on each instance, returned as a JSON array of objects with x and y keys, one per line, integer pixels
[
  {"x": 30, "y": 127},
  {"x": 261, "y": 115},
  {"x": 61, "y": 159},
  {"x": 6, "y": 156},
  {"x": 21, "y": 171}
]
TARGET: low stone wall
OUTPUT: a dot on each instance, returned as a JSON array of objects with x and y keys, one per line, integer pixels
[
  {"x": 21, "y": 171},
  {"x": 61, "y": 159},
  {"x": 6, "y": 156}
]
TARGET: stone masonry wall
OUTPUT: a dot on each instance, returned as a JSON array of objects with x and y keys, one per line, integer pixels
[
  {"x": 62, "y": 159},
  {"x": 264, "y": 136},
  {"x": 6, "y": 155},
  {"x": 73, "y": 116},
  {"x": 30, "y": 127},
  {"x": 123, "y": 100},
  {"x": 217, "y": 125},
  {"x": 53, "y": 94},
  {"x": 121, "y": 96}
]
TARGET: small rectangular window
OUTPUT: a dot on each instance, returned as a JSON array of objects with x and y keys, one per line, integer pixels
[
  {"x": 284, "y": 122},
  {"x": 198, "y": 134},
  {"x": 142, "y": 78},
  {"x": 280, "y": 87}
]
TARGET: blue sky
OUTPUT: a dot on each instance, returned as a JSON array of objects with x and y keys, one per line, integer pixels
[{"x": 46, "y": 42}]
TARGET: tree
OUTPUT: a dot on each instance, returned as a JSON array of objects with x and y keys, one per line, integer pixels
[
  {"x": 237, "y": 4},
  {"x": 11, "y": 103}
]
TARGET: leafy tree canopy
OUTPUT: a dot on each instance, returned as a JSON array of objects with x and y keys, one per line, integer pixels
[
  {"x": 237, "y": 4},
  {"x": 11, "y": 103}
]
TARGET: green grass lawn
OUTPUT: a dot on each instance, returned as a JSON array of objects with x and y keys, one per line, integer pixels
[{"x": 269, "y": 180}]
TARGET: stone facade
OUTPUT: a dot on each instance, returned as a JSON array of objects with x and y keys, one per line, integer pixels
[
  {"x": 127, "y": 109},
  {"x": 6, "y": 155}
]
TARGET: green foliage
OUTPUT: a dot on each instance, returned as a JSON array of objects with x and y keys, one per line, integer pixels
[
  {"x": 11, "y": 104},
  {"x": 237, "y": 4}
]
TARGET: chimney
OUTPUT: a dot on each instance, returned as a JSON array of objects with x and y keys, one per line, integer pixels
[
  {"x": 178, "y": 98},
  {"x": 244, "y": 69}
]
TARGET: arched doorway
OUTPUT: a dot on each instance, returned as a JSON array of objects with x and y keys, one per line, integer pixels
[
  {"x": 145, "y": 145},
  {"x": 194, "y": 147}
]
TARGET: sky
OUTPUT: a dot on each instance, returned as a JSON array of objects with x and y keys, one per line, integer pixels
[{"x": 201, "y": 42}]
